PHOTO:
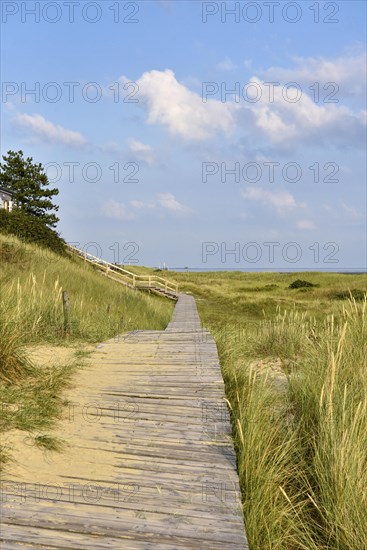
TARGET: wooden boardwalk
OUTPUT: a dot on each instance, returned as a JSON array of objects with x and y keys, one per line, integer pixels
[{"x": 164, "y": 476}]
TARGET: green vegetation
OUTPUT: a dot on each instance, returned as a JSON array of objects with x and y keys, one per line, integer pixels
[
  {"x": 30, "y": 229},
  {"x": 294, "y": 365},
  {"x": 31, "y": 280},
  {"x": 237, "y": 297},
  {"x": 33, "y": 217},
  {"x": 298, "y": 283},
  {"x": 50, "y": 443},
  {"x": 354, "y": 293},
  {"x": 29, "y": 185}
]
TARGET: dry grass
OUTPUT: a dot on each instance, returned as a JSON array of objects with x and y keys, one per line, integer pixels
[
  {"x": 31, "y": 312},
  {"x": 294, "y": 364}
]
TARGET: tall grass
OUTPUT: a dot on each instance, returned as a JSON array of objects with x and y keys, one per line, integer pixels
[
  {"x": 302, "y": 446},
  {"x": 32, "y": 280},
  {"x": 329, "y": 396}
]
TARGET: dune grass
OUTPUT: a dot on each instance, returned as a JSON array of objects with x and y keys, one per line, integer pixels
[
  {"x": 302, "y": 446},
  {"x": 294, "y": 363},
  {"x": 32, "y": 280}
]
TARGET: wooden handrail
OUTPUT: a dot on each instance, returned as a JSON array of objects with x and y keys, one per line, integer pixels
[{"x": 137, "y": 281}]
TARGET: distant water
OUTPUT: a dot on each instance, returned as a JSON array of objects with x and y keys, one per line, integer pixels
[{"x": 356, "y": 271}]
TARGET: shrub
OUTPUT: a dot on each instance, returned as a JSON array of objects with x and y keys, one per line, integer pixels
[
  {"x": 30, "y": 229},
  {"x": 355, "y": 293},
  {"x": 299, "y": 283}
]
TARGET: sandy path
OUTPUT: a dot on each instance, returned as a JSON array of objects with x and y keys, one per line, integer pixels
[{"x": 81, "y": 418}]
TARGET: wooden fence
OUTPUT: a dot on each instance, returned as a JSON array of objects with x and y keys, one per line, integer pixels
[{"x": 152, "y": 283}]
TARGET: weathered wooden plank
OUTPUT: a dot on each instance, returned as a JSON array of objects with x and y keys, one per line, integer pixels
[
  {"x": 18, "y": 534},
  {"x": 118, "y": 526},
  {"x": 162, "y": 427}
]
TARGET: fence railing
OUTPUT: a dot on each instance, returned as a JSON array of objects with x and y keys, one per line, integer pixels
[{"x": 125, "y": 276}]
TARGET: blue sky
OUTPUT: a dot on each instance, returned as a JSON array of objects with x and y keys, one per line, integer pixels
[{"x": 194, "y": 136}]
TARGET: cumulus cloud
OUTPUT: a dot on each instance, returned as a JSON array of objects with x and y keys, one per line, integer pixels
[
  {"x": 348, "y": 71},
  {"x": 140, "y": 205},
  {"x": 226, "y": 65},
  {"x": 182, "y": 111},
  {"x": 142, "y": 152},
  {"x": 168, "y": 201},
  {"x": 165, "y": 202},
  {"x": 306, "y": 225},
  {"x": 284, "y": 119},
  {"x": 46, "y": 131},
  {"x": 281, "y": 200},
  {"x": 117, "y": 210}
]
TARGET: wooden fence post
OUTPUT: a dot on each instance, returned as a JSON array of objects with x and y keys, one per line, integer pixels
[{"x": 66, "y": 310}]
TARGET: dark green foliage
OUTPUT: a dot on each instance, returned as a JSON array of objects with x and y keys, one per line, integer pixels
[
  {"x": 298, "y": 283},
  {"x": 355, "y": 293},
  {"x": 30, "y": 229},
  {"x": 29, "y": 185}
]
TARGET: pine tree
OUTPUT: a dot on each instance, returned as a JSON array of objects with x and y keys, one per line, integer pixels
[{"x": 28, "y": 184}]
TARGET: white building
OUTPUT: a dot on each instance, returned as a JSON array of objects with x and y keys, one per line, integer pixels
[{"x": 6, "y": 199}]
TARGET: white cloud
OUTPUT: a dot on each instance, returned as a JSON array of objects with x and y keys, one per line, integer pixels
[
  {"x": 348, "y": 71},
  {"x": 142, "y": 152},
  {"x": 182, "y": 111},
  {"x": 163, "y": 202},
  {"x": 46, "y": 131},
  {"x": 284, "y": 121},
  {"x": 281, "y": 200},
  {"x": 350, "y": 211},
  {"x": 168, "y": 201},
  {"x": 226, "y": 65},
  {"x": 307, "y": 225},
  {"x": 140, "y": 205},
  {"x": 116, "y": 210}
]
